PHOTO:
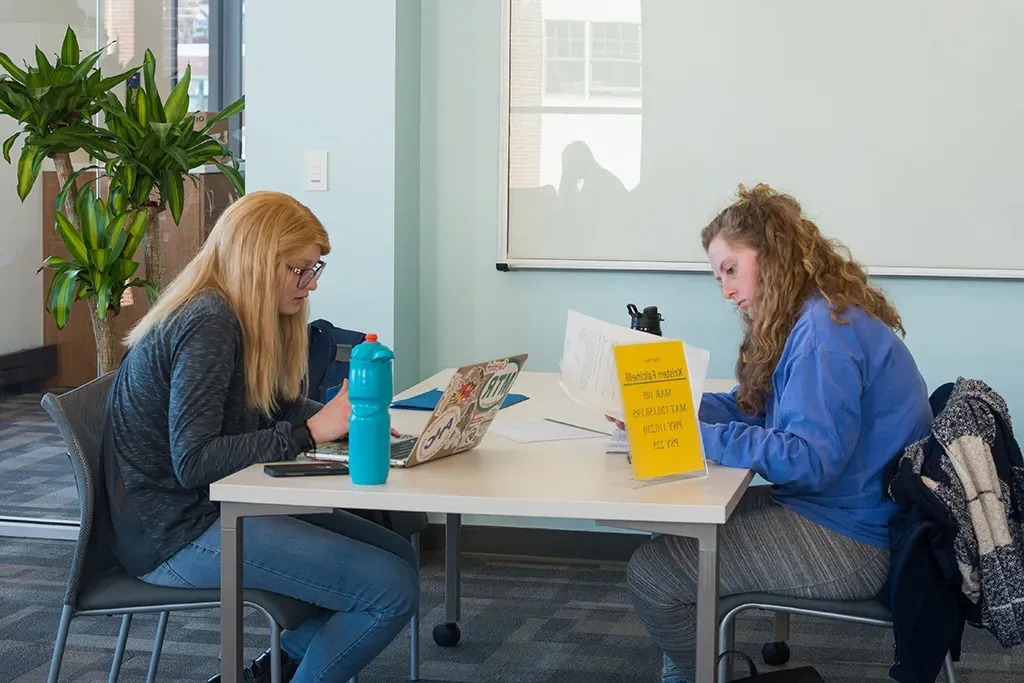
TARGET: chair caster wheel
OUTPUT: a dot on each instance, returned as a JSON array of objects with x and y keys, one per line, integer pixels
[
  {"x": 447, "y": 635},
  {"x": 775, "y": 654}
]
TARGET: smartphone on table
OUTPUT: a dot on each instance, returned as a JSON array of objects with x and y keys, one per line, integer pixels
[{"x": 305, "y": 469}]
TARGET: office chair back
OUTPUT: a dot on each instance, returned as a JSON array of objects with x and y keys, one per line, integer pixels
[{"x": 79, "y": 416}]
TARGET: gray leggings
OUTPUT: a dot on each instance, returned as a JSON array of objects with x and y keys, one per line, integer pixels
[{"x": 764, "y": 548}]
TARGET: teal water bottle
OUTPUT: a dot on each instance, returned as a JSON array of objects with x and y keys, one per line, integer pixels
[{"x": 370, "y": 390}]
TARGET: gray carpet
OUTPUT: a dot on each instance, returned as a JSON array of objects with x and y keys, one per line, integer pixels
[
  {"x": 35, "y": 475},
  {"x": 521, "y": 622}
]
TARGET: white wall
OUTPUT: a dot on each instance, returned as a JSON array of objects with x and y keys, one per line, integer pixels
[
  {"x": 22, "y": 27},
  {"x": 324, "y": 75}
]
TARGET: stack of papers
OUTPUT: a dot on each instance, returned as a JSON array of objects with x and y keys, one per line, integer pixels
[
  {"x": 588, "y": 372},
  {"x": 534, "y": 431}
]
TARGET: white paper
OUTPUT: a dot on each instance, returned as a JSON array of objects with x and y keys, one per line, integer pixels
[
  {"x": 533, "y": 431},
  {"x": 588, "y": 373}
]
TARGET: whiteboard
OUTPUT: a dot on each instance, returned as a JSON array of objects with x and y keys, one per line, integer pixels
[{"x": 627, "y": 125}]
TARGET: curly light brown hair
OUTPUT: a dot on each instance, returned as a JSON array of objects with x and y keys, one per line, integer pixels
[{"x": 794, "y": 260}]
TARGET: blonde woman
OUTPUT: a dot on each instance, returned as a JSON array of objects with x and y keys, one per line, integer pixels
[{"x": 211, "y": 385}]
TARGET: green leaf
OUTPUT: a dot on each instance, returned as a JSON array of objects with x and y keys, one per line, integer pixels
[
  {"x": 179, "y": 158},
  {"x": 69, "y": 52},
  {"x": 56, "y": 262},
  {"x": 208, "y": 149},
  {"x": 116, "y": 235},
  {"x": 62, "y": 195},
  {"x": 150, "y": 288},
  {"x": 60, "y": 77},
  {"x": 86, "y": 65},
  {"x": 16, "y": 73},
  {"x": 143, "y": 189},
  {"x": 118, "y": 201},
  {"x": 72, "y": 240},
  {"x": 156, "y": 107},
  {"x": 172, "y": 190},
  {"x": 100, "y": 259},
  {"x": 29, "y": 164},
  {"x": 63, "y": 296},
  {"x": 161, "y": 129},
  {"x": 137, "y": 230},
  {"x": 9, "y": 142},
  {"x": 177, "y": 101},
  {"x": 142, "y": 109},
  {"x": 234, "y": 176},
  {"x": 103, "y": 291},
  {"x": 43, "y": 63},
  {"x": 107, "y": 84},
  {"x": 85, "y": 200},
  {"x": 122, "y": 269},
  {"x": 38, "y": 93},
  {"x": 228, "y": 111}
]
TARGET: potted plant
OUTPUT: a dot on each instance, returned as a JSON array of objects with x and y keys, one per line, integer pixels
[
  {"x": 100, "y": 267},
  {"x": 153, "y": 147},
  {"x": 55, "y": 104}
]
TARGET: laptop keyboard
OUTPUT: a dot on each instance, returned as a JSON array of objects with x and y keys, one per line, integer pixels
[{"x": 401, "y": 449}]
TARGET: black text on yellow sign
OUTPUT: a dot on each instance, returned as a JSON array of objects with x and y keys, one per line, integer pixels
[{"x": 664, "y": 436}]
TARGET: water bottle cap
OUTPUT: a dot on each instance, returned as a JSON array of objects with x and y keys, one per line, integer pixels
[{"x": 371, "y": 338}]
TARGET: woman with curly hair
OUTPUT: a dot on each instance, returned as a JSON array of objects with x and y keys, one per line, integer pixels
[{"x": 828, "y": 394}]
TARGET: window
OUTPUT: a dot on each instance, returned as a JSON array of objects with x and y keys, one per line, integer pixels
[
  {"x": 592, "y": 60},
  {"x": 192, "y": 47},
  {"x": 207, "y": 34},
  {"x": 615, "y": 62},
  {"x": 565, "y": 63}
]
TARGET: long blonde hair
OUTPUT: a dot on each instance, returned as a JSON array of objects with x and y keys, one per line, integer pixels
[
  {"x": 244, "y": 260},
  {"x": 793, "y": 261}
]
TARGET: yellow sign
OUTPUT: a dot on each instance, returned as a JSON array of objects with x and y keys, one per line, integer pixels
[{"x": 664, "y": 436}]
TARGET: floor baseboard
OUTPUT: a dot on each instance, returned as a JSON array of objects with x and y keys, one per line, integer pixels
[{"x": 38, "y": 528}]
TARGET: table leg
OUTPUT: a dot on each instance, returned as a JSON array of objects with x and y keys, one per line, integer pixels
[
  {"x": 448, "y": 634},
  {"x": 230, "y": 593},
  {"x": 707, "y": 585},
  {"x": 231, "y": 525},
  {"x": 707, "y": 606}
]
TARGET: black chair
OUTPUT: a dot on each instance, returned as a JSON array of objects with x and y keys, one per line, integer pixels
[
  {"x": 776, "y": 653},
  {"x": 97, "y": 585}
]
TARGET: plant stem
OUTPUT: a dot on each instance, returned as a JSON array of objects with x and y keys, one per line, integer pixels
[
  {"x": 154, "y": 260},
  {"x": 105, "y": 333},
  {"x": 62, "y": 164}
]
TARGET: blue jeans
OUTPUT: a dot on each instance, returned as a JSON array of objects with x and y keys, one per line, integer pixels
[{"x": 362, "y": 576}]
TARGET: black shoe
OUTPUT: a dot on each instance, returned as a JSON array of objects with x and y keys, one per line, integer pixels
[{"x": 259, "y": 670}]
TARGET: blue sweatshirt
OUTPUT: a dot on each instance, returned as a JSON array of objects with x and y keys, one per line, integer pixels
[{"x": 845, "y": 400}]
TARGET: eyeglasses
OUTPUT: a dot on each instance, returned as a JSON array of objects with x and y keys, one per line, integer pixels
[{"x": 307, "y": 275}]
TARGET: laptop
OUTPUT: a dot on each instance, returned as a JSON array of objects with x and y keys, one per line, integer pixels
[{"x": 459, "y": 420}]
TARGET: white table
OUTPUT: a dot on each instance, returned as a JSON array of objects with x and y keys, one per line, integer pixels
[{"x": 565, "y": 479}]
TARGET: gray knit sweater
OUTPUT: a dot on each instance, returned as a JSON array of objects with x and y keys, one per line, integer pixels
[{"x": 177, "y": 422}]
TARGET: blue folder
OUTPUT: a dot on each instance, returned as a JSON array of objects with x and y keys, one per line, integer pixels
[{"x": 428, "y": 400}]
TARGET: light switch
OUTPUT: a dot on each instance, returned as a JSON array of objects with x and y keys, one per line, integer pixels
[{"x": 316, "y": 170}]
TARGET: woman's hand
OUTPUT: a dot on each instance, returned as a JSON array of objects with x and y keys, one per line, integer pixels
[
  {"x": 618, "y": 423},
  {"x": 331, "y": 422}
]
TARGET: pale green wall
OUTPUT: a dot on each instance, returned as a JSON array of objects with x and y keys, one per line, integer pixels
[{"x": 470, "y": 312}]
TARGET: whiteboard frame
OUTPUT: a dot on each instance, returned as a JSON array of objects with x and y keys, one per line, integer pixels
[{"x": 506, "y": 263}]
